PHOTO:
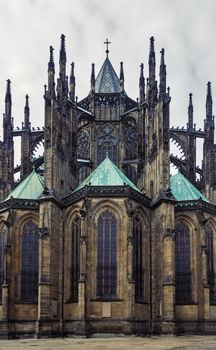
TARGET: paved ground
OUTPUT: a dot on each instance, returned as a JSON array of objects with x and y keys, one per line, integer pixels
[{"x": 125, "y": 343}]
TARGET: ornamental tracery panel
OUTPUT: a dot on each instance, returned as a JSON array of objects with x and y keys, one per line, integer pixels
[
  {"x": 107, "y": 144},
  {"x": 83, "y": 145},
  {"x": 131, "y": 139}
]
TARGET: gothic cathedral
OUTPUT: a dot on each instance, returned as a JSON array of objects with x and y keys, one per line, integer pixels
[{"x": 97, "y": 237}]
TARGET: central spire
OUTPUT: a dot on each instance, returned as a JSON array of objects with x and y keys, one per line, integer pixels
[{"x": 107, "y": 42}]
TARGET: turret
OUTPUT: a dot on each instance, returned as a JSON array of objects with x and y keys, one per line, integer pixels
[
  {"x": 121, "y": 76},
  {"x": 51, "y": 75},
  {"x": 93, "y": 78},
  {"x": 152, "y": 63},
  {"x": 162, "y": 87},
  {"x": 190, "y": 112},
  {"x": 26, "y": 113},
  {"x": 72, "y": 83},
  {"x": 209, "y": 122},
  {"x": 142, "y": 84},
  {"x": 62, "y": 59},
  {"x": 7, "y": 122}
]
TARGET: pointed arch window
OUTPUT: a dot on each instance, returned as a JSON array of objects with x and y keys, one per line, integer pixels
[
  {"x": 210, "y": 262},
  {"x": 107, "y": 143},
  {"x": 75, "y": 266},
  {"x": 183, "y": 278},
  {"x": 106, "y": 255},
  {"x": 138, "y": 258},
  {"x": 29, "y": 262}
]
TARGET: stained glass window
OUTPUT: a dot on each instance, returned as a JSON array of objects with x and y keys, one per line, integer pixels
[
  {"x": 107, "y": 144},
  {"x": 106, "y": 255},
  {"x": 75, "y": 241},
  {"x": 29, "y": 269},
  {"x": 138, "y": 259},
  {"x": 183, "y": 278},
  {"x": 210, "y": 262}
]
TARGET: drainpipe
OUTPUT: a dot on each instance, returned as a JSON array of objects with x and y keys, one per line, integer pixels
[
  {"x": 62, "y": 286},
  {"x": 150, "y": 277}
]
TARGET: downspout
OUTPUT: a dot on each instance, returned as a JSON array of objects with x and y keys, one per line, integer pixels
[
  {"x": 150, "y": 277},
  {"x": 62, "y": 279}
]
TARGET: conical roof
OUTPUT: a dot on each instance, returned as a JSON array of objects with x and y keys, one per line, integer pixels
[
  {"x": 107, "y": 174},
  {"x": 183, "y": 190},
  {"x": 107, "y": 80},
  {"x": 30, "y": 188}
]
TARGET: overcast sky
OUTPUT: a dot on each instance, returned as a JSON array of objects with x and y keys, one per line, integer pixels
[{"x": 185, "y": 28}]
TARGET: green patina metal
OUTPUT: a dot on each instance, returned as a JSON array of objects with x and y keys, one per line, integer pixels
[
  {"x": 107, "y": 80},
  {"x": 183, "y": 190},
  {"x": 107, "y": 174},
  {"x": 30, "y": 188}
]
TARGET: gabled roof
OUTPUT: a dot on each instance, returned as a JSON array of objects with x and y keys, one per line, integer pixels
[
  {"x": 30, "y": 188},
  {"x": 183, "y": 190},
  {"x": 107, "y": 174},
  {"x": 107, "y": 80}
]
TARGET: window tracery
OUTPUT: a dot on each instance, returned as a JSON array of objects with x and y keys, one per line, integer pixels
[
  {"x": 107, "y": 143},
  {"x": 29, "y": 262},
  {"x": 131, "y": 140},
  {"x": 106, "y": 255},
  {"x": 83, "y": 146},
  {"x": 138, "y": 259},
  {"x": 183, "y": 277},
  {"x": 210, "y": 261},
  {"x": 75, "y": 266}
]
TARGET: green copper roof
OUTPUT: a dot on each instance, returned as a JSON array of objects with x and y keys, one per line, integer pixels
[
  {"x": 183, "y": 190},
  {"x": 30, "y": 188},
  {"x": 107, "y": 174},
  {"x": 107, "y": 80}
]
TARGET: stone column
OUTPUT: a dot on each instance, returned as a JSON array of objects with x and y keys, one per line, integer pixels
[
  {"x": 130, "y": 272},
  {"x": 204, "y": 296},
  {"x": 168, "y": 281},
  {"x": 82, "y": 278},
  {"x": 44, "y": 286}
]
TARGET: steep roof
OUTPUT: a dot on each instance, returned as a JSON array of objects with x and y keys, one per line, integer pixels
[
  {"x": 107, "y": 174},
  {"x": 183, "y": 190},
  {"x": 107, "y": 80},
  {"x": 30, "y": 188}
]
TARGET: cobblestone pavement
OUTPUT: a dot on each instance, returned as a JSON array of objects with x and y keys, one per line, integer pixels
[{"x": 124, "y": 343}]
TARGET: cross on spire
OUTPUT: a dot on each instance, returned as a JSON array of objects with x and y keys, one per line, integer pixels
[{"x": 107, "y": 42}]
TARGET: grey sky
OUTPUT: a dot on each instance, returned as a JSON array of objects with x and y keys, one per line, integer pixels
[{"x": 185, "y": 28}]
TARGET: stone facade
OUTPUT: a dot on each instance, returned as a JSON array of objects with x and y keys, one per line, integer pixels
[{"x": 109, "y": 258}]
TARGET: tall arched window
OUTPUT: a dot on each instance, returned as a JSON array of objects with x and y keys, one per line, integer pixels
[
  {"x": 75, "y": 242},
  {"x": 107, "y": 143},
  {"x": 3, "y": 238},
  {"x": 29, "y": 261},
  {"x": 138, "y": 258},
  {"x": 210, "y": 262},
  {"x": 106, "y": 255},
  {"x": 182, "y": 264}
]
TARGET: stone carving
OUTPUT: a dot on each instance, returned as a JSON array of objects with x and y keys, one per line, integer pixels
[
  {"x": 131, "y": 140},
  {"x": 83, "y": 145}
]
